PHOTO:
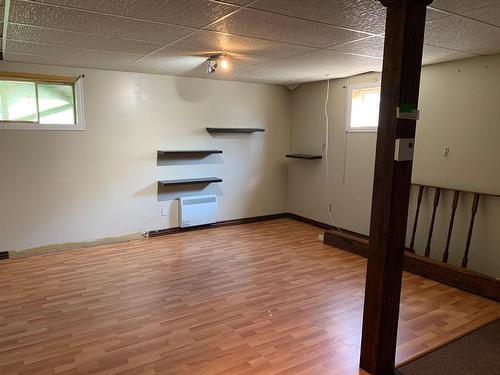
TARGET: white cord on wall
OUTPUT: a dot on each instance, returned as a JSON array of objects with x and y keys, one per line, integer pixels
[{"x": 329, "y": 205}]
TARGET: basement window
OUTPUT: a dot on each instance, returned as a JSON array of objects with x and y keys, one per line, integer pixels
[
  {"x": 40, "y": 102},
  {"x": 363, "y": 102}
]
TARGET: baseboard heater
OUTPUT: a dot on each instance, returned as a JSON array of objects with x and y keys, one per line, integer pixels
[{"x": 197, "y": 210}]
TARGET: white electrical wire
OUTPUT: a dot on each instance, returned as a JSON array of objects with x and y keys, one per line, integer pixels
[{"x": 329, "y": 205}]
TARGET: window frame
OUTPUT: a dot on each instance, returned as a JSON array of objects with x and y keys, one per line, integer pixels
[
  {"x": 40, "y": 79},
  {"x": 350, "y": 89}
]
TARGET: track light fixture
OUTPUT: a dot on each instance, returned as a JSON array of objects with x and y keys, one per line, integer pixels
[{"x": 215, "y": 61}]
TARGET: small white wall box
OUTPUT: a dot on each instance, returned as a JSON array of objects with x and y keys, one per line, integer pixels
[
  {"x": 404, "y": 149},
  {"x": 197, "y": 210}
]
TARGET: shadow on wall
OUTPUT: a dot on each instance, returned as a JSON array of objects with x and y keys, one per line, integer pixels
[
  {"x": 170, "y": 193},
  {"x": 193, "y": 90}
]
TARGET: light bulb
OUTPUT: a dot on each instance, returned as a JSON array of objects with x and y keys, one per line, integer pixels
[{"x": 224, "y": 64}]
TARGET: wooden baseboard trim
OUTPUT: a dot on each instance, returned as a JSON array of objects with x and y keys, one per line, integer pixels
[
  {"x": 255, "y": 219},
  {"x": 306, "y": 220},
  {"x": 470, "y": 281},
  {"x": 248, "y": 220},
  {"x": 322, "y": 225},
  {"x": 351, "y": 242}
]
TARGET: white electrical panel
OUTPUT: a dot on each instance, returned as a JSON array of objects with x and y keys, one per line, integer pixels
[{"x": 404, "y": 149}]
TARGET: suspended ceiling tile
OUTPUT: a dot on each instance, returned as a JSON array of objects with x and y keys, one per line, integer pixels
[
  {"x": 325, "y": 63},
  {"x": 51, "y": 60},
  {"x": 459, "y": 6},
  {"x": 361, "y": 15},
  {"x": 463, "y": 35},
  {"x": 37, "y": 34},
  {"x": 260, "y": 75},
  {"x": 374, "y": 47},
  {"x": 365, "y": 15},
  {"x": 55, "y": 55},
  {"x": 194, "y": 13},
  {"x": 488, "y": 14},
  {"x": 275, "y": 27},
  {"x": 92, "y": 23},
  {"x": 220, "y": 42}
]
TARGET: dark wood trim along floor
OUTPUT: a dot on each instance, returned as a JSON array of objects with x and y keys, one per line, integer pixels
[
  {"x": 458, "y": 277},
  {"x": 248, "y": 220}
]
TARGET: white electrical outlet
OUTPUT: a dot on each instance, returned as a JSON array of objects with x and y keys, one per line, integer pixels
[
  {"x": 164, "y": 211},
  {"x": 446, "y": 151}
]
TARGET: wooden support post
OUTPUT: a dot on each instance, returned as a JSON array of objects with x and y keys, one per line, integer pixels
[
  {"x": 404, "y": 37},
  {"x": 417, "y": 213},
  {"x": 437, "y": 194},
  {"x": 475, "y": 204},
  {"x": 446, "y": 253}
]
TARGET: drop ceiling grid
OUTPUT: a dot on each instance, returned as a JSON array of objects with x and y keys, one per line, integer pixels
[{"x": 131, "y": 51}]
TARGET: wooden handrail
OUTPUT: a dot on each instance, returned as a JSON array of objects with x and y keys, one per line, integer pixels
[
  {"x": 456, "y": 196},
  {"x": 460, "y": 190}
]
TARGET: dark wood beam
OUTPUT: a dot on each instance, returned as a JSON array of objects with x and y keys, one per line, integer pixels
[{"x": 404, "y": 35}]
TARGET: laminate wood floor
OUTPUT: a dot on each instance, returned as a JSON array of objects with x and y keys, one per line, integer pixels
[{"x": 263, "y": 298}]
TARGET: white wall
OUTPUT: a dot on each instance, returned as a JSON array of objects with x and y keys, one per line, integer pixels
[
  {"x": 459, "y": 104},
  {"x": 350, "y": 163},
  {"x": 75, "y": 186}
]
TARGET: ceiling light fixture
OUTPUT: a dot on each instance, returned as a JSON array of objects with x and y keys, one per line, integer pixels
[
  {"x": 215, "y": 61},
  {"x": 224, "y": 63}
]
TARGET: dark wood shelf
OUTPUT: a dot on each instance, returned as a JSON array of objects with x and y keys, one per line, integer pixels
[
  {"x": 181, "y": 153},
  {"x": 304, "y": 156},
  {"x": 190, "y": 181},
  {"x": 234, "y": 130}
]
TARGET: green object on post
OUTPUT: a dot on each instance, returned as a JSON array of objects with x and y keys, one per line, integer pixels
[{"x": 406, "y": 108}]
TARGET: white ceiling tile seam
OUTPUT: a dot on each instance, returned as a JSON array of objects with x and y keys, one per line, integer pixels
[
  {"x": 112, "y": 14},
  {"x": 190, "y": 34}
]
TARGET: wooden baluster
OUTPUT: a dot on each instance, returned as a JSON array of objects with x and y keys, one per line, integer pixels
[
  {"x": 450, "y": 227},
  {"x": 475, "y": 204},
  {"x": 431, "y": 228},
  {"x": 417, "y": 212}
]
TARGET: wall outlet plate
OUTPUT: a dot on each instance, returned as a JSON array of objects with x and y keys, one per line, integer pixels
[{"x": 164, "y": 211}]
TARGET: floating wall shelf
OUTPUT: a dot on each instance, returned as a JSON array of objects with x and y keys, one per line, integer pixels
[
  {"x": 182, "y": 153},
  {"x": 304, "y": 156},
  {"x": 190, "y": 181},
  {"x": 234, "y": 130}
]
